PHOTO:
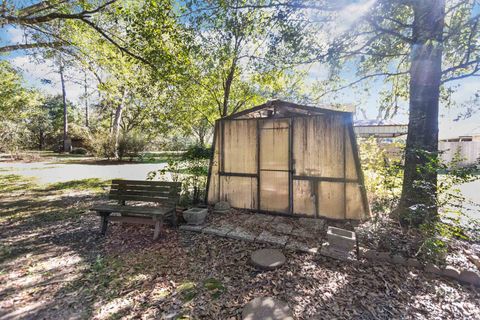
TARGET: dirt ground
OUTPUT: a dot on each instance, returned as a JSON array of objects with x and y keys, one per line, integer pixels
[{"x": 55, "y": 265}]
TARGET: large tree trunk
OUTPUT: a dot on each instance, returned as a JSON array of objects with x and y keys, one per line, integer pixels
[
  {"x": 116, "y": 121},
  {"x": 66, "y": 142},
  {"x": 418, "y": 202}
]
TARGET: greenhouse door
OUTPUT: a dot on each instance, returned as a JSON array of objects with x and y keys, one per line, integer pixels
[{"x": 275, "y": 165}]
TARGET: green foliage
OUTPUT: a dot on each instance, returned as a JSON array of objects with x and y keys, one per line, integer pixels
[
  {"x": 131, "y": 145},
  {"x": 383, "y": 173},
  {"x": 383, "y": 170},
  {"x": 191, "y": 170},
  {"x": 101, "y": 145},
  {"x": 15, "y": 182}
]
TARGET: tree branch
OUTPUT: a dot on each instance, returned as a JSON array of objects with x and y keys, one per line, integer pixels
[
  {"x": 380, "y": 74},
  {"x": 24, "y": 46}
]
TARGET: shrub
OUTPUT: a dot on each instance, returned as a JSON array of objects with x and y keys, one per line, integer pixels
[
  {"x": 101, "y": 145},
  {"x": 191, "y": 170},
  {"x": 81, "y": 151},
  {"x": 131, "y": 145}
]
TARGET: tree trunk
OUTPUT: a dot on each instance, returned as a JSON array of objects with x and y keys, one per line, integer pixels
[
  {"x": 86, "y": 100},
  {"x": 228, "y": 87},
  {"x": 418, "y": 202},
  {"x": 66, "y": 144},
  {"x": 116, "y": 121}
]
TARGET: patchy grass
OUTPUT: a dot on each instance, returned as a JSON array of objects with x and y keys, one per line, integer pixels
[
  {"x": 92, "y": 184},
  {"x": 15, "y": 182}
]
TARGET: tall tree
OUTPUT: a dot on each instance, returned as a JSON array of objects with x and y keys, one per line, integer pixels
[{"x": 415, "y": 46}]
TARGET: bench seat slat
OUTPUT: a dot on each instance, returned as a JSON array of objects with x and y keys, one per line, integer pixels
[
  {"x": 141, "y": 198},
  {"x": 133, "y": 210},
  {"x": 146, "y": 183},
  {"x": 155, "y": 194},
  {"x": 140, "y": 188}
]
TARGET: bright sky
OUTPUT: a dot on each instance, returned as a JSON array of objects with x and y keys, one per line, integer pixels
[{"x": 35, "y": 71}]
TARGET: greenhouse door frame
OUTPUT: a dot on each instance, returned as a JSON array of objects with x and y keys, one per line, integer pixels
[{"x": 289, "y": 168}]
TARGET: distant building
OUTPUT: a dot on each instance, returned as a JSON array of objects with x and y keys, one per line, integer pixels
[
  {"x": 379, "y": 128},
  {"x": 467, "y": 147}
]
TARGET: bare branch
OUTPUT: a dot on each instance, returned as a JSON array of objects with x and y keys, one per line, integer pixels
[{"x": 374, "y": 75}]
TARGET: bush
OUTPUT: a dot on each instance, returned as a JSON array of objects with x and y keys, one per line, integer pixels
[
  {"x": 192, "y": 171},
  {"x": 81, "y": 151},
  {"x": 131, "y": 145},
  {"x": 101, "y": 145}
]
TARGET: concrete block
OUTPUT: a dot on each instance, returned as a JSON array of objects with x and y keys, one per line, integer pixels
[
  {"x": 332, "y": 252},
  {"x": 195, "y": 216},
  {"x": 341, "y": 238}
]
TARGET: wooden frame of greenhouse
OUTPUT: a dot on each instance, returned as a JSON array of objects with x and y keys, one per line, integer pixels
[{"x": 290, "y": 159}]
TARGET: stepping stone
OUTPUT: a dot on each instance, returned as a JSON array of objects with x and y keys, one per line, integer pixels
[
  {"x": 268, "y": 259},
  {"x": 193, "y": 228},
  {"x": 218, "y": 230},
  {"x": 282, "y": 227},
  {"x": 264, "y": 308},
  {"x": 240, "y": 233},
  {"x": 267, "y": 237},
  {"x": 304, "y": 233}
]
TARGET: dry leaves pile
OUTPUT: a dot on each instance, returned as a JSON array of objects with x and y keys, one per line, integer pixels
[{"x": 61, "y": 268}]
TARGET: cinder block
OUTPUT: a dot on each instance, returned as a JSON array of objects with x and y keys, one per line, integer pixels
[{"x": 342, "y": 239}]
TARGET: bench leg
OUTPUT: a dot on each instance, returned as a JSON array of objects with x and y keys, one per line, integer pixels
[
  {"x": 104, "y": 223},
  {"x": 174, "y": 219},
  {"x": 158, "y": 228}
]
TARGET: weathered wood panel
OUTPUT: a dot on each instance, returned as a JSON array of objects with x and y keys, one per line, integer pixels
[
  {"x": 355, "y": 209},
  {"x": 240, "y": 146},
  {"x": 213, "y": 187},
  {"x": 240, "y": 192},
  {"x": 274, "y": 153},
  {"x": 350, "y": 167},
  {"x": 274, "y": 191},
  {"x": 331, "y": 200},
  {"x": 318, "y": 146},
  {"x": 304, "y": 197}
]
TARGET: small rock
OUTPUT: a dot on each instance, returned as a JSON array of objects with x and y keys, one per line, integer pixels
[
  {"x": 411, "y": 262},
  {"x": 383, "y": 256},
  {"x": 431, "y": 268},
  {"x": 470, "y": 277},
  {"x": 370, "y": 254},
  {"x": 398, "y": 259},
  {"x": 266, "y": 308},
  {"x": 221, "y": 207},
  {"x": 475, "y": 260},
  {"x": 451, "y": 272}
]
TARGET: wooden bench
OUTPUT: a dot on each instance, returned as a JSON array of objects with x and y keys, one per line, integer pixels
[{"x": 162, "y": 193}]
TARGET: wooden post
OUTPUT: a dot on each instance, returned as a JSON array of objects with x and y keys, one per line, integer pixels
[
  {"x": 104, "y": 222},
  {"x": 158, "y": 227}
]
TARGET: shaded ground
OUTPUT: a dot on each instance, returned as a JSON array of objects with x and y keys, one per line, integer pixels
[{"x": 54, "y": 265}]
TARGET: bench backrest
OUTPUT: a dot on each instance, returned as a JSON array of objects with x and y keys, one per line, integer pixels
[{"x": 147, "y": 191}]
